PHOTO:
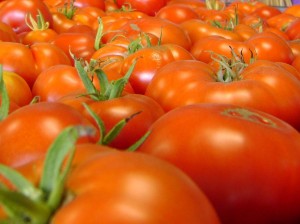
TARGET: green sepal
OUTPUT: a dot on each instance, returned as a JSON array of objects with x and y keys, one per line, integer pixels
[
  {"x": 54, "y": 173},
  {"x": 4, "y": 107}
]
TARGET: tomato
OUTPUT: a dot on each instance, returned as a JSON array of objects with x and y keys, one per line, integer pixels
[
  {"x": 191, "y": 3},
  {"x": 292, "y": 10},
  {"x": 281, "y": 21},
  {"x": 18, "y": 90},
  {"x": 35, "y": 126},
  {"x": 177, "y": 13},
  {"x": 13, "y": 13},
  {"x": 269, "y": 46},
  {"x": 198, "y": 29},
  {"x": 168, "y": 32},
  {"x": 40, "y": 30},
  {"x": 81, "y": 45},
  {"x": 181, "y": 83},
  {"x": 204, "y": 48},
  {"x": 47, "y": 55},
  {"x": 7, "y": 33},
  {"x": 241, "y": 158},
  {"x": 56, "y": 82},
  {"x": 149, "y": 60},
  {"x": 11, "y": 54},
  {"x": 128, "y": 188},
  {"x": 266, "y": 12},
  {"x": 114, "y": 110},
  {"x": 150, "y": 7},
  {"x": 292, "y": 29}
]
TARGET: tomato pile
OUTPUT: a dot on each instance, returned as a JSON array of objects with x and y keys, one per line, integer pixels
[{"x": 154, "y": 111}]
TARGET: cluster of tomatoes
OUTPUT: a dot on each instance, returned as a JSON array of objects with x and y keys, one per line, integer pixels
[{"x": 154, "y": 111}]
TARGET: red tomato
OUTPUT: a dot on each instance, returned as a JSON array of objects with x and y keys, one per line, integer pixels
[
  {"x": 27, "y": 133},
  {"x": 18, "y": 89},
  {"x": 114, "y": 110},
  {"x": 150, "y": 7},
  {"x": 56, "y": 82},
  {"x": 47, "y": 55},
  {"x": 13, "y": 13},
  {"x": 177, "y": 13},
  {"x": 7, "y": 33},
  {"x": 128, "y": 188},
  {"x": 189, "y": 82},
  {"x": 241, "y": 158},
  {"x": 18, "y": 58},
  {"x": 293, "y": 29},
  {"x": 168, "y": 32},
  {"x": 198, "y": 29},
  {"x": 270, "y": 46},
  {"x": 79, "y": 44},
  {"x": 149, "y": 60},
  {"x": 266, "y": 12},
  {"x": 204, "y": 48}
]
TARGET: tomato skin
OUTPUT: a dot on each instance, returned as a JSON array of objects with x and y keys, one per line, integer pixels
[
  {"x": 177, "y": 13},
  {"x": 203, "y": 48},
  {"x": 13, "y": 13},
  {"x": 149, "y": 60},
  {"x": 269, "y": 46},
  {"x": 36, "y": 126},
  {"x": 129, "y": 188},
  {"x": 114, "y": 110},
  {"x": 18, "y": 90},
  {"x": 47, "y": 55},
  {"x": 168, "y": 31},
  {"x": 198, "y": 29},
  {"x": 7, "y": 33},
  {"x": 293, "y": 29},
  {"x": 79, "y": 44},
  {"x": 241, "y": 162},
  {"x": 56, "y": 82},
  {"x": 11, "y": 54},
  {"x": 150, "y": 7},
  {"x": 192, "y": 82}
]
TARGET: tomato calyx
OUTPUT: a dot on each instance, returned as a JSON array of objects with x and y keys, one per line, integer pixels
[
  {"x": 108, "y": 89},
  {"x": 214, "y": 4},
  {"x": 27, "y": 203},
  {"x": 230, "y": 69},
  {"x": 38, "y": 24},
  {"x": 68, "y": 9},
  {"x": 4, "y": 107},
  {"x": 249, "y": 115}
]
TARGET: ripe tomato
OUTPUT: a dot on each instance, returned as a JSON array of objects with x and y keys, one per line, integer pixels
[
  {"x": 270, "y": 46},
  {"x": 198, "y": 29},
  {"x": 150, "y": 7},
  {"x": 79, "y": 44},
  {"x": 11, "y": 54},
  {"x": 47, "y": 55},
  {"x": 168, "y": 32},
  {"x": 189, "y": 82},
  {"x": 204, "y": 48},
  {"x": 114, "y": 110},
  {"x": 7, "y": 33},
  {"x": 128, "y": 188},
  {"x": 13, "y": 13},
  {"x": 293, "y": 29},
  {"x": 18, "y": 90},
  {"x": 149, "y": 60},
  {"x": 241, "y": 158},
  {"x": 35, "y": 126},
  {"x": 177, "y": 13},
  {"x": 56, "y": 82}
]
